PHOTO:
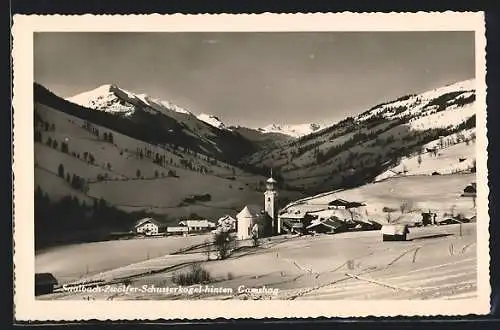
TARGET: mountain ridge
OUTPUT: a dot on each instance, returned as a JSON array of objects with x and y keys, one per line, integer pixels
[{"x": 357, "y": 149}]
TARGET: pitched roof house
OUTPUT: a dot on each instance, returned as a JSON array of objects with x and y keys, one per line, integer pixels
[
  {"x": 147, "y": 226},
  {"x": 227, "y": 222},
  {"x": 470, "y": 190},
  {"x": 44, "y": 283},
  {"x": 343, "y": 204},
  {"x": 197, "y": 225}
]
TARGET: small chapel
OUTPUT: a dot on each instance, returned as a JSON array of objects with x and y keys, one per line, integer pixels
[{"x": 255, "y": 221}]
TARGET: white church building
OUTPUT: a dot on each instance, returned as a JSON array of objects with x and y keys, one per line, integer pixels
[{"x": 251, "y": 217}]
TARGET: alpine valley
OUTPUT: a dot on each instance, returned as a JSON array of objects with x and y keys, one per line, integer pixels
[{"x": 107, "y": 156}]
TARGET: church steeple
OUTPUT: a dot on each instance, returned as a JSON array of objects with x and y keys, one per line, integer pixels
[
  {"x": 271, "y": 182},
  {"x": 271, "y": 203}
]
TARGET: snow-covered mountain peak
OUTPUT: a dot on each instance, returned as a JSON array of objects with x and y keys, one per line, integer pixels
[
  {"x": 111, "y": 98},
  {"x": 212, "y": 120},
  {"x": 292, "y": 130}
]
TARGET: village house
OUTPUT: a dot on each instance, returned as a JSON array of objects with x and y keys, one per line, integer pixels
[
  {"x": 176, "y": 230},
  {"x": 44, "y": 283},
  {"x": 334, "y": 216},
  {"x": 342, "y": 204},
  {"x": 471, "y": 192},
  {"x": 294, "y": 221},
  {"x": 326, "y": 226},
  {"x": 394, "y": 232},
  {"x": 227, "y": 223},
  {"x": 147, "y": 226},
  {"x": 197, "y": 226}
]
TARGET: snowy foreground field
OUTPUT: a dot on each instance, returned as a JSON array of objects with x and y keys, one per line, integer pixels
[
  {"x": 435, "y": 262},
  {"x": 72, "y": 262}
]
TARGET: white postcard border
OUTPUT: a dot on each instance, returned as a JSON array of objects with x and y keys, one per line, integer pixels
[{"x": 29, "y": 309}]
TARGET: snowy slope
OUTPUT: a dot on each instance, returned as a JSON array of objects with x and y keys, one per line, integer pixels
[
  {"x": 360, "y": 148},
  {"x": 105, "y": 98},
  {"x": 457, "y": 157},
  {"x": 111, "y": 98},
  {"x": 292, "y": 130},
  {"x": 211, "y": 120},
  {"x": 152, "y": 120},
  {"x": 426, "y": 103}
]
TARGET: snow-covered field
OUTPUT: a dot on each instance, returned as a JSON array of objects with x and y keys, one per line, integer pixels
[
  {"x": 436, "y": 193},
  {"x": 435, "y": 262},
  {"x": 72, "y": 262}
]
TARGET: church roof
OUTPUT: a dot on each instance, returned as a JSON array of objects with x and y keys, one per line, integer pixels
[
  {"x": 249, "y": 211},
  {"x": 271, "y": 180}
]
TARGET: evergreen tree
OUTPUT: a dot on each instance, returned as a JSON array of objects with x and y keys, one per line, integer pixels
[
  {"x": 60, "y": 171},
  {"x": 64, "y": 147}
]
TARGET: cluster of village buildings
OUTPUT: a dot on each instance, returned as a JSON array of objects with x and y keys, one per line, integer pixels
[
  {"x": 337, "y": 215},
  {"x": 253, "y": 219},
  {"x": 298, "y": 218}
]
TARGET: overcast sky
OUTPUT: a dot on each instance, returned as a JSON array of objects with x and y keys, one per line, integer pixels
[{"x": 255, "y": 79}]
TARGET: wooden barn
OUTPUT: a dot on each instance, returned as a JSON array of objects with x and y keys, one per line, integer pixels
[
  {"x": 395, "y": 232},
  {"x": 44, "y": 283}
]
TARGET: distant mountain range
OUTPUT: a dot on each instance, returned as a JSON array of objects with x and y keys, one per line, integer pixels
[
  {"x": 292, "y": 130},
  {"x": 113, "y": 99}
]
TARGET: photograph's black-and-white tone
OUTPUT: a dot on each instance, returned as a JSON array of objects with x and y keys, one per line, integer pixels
[{"x": 306, "y": 165}]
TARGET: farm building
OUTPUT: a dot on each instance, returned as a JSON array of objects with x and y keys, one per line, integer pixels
[
  {"x": 335, "y": 220},
  {"x": 293, "y": 226},
  {"x": 470, "y": 190},
  {"x": 397, "y": 232},
  {"x": 176, "y": 230},
  {"x": 343, "y": 204},
  {"x": 197, "y": 226},
  {"x": 294, "y": 221},
  {"x": 147, "y": 226},
  {"x": 44, "y": 283},
  {"x": 347, "y": 215},
  {"x": 228, "y": 223},
  {"x": 327, "y": 226}
]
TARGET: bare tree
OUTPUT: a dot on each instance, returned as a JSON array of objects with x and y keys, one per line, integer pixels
[
  {"x": 223, "y": 242},
  {"x": 452, "y": 210},
  {"x": 406, "y": 206},
  {"x": 389, "y": 212},
  {"x": 207, "y": 249}
]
